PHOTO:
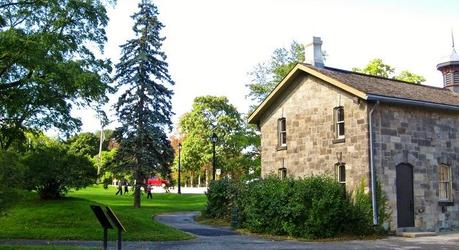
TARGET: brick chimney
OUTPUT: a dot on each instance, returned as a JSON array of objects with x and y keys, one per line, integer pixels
[
  {"x": 450, "y": 71},
  {"x": 313, "y": 53}
]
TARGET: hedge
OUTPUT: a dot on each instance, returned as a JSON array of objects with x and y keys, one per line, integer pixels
[{"x": 313, "y": 207}]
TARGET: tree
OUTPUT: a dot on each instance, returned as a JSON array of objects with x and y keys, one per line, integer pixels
[
  {"x": 407, "y": 76},
  {"x": 267, "y": 75},
  {"x": 144, "y": 109},
  {"x": 377, "y": 67},
  {"x": 236, "y": 142},
  {"x": 52, "y": 169},
  {"x": 47, "y": 66},
  {"x": 86, "y": 144}
]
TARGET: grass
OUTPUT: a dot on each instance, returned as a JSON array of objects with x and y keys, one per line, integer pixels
[
  {"x": 71, "y": 218},
  {"x": 35, "y": 247},
  {"x": 202, "y": 219}
]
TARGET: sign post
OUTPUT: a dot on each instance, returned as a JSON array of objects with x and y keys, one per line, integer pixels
[
  {"x": 103, "y": 220},
  {"x": 117, "y": 224}
]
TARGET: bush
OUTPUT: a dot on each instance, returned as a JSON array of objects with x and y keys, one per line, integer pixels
[
  {"x": 221, "y": 197},
  {"x": 11, "y": 177},
  {"x": 53, "y": 170},
  {"x": 310, "y": 208},
  {"x": 314, "y": 207},
  {"x": 362, "y": 211}
]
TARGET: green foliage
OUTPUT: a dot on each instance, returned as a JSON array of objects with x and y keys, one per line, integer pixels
[
  {"x": 47, "y": 66},
  {"x": 144, "y": 109},
  {"x": 11, "y": 177},
  {"x": 53, "y": 170},
  {"x": 309, "y": 208},
  {"x": 267, "y": 75},
  {"x": 362, "y": 211},
  {"x": 237, "y": 146},
  {"x": 314, "y": 207},
  {"x": 221, "y": 198},
  {"x": 86, "y": 144},
  {"x": 377, "y": 67},
  {"x": 410, "y": 77}
]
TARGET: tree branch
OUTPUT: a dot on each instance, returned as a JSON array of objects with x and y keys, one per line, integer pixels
[
  {"x": 16, "y": 3},
  {"x": 16, "y": 83}
]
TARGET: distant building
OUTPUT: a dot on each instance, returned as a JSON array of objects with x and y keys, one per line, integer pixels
[{"x": 356, "y": 127}]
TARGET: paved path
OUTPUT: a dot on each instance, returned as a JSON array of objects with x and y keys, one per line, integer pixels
[{"x": 208, "y": 237}]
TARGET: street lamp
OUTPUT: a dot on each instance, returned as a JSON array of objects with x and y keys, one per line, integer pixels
[
  {"x": 179, "y": 151},
  {"x": 213, "y": 139}
]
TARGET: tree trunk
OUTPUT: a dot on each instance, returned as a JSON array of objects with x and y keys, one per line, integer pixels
[
  {"x": 207, "y": 177},
  {"x": 137, "y": 193},
  {"x": 199, "y": 180},
  {"x": 191, "y": 181}
]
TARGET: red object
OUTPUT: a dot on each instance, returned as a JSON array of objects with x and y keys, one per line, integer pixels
[{"x": 157, "y": 181}]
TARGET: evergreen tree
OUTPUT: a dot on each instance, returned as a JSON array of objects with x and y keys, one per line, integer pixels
[{"x": 144, "y": 109}]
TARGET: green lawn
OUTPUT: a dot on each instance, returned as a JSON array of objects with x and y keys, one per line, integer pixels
[
  {"x": 35, "y": 247},
  {"x": 72, "y": 218}
]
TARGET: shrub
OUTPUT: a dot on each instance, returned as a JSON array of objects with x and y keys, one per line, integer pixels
[
  {"x": 314, "y": 207},
  {"x": 53, "y": 170},
  {"x": 362, "y": 211},
  {"x": 11, "y": 177},
  {"x": 221, "y": 198}
]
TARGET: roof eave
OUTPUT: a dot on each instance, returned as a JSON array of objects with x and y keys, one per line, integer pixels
[
  {"x": 417, "y": 103},
  {"x": 255, "y": 116}
]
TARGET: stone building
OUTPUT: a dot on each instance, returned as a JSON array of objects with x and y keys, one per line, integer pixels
[{"x": 357, "y": 127}]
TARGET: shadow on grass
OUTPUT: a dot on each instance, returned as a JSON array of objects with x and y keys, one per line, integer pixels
[{"x": 70, "y": 217}]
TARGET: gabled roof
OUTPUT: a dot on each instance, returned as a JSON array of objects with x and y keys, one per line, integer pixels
[{"x": 367, "y": 87}]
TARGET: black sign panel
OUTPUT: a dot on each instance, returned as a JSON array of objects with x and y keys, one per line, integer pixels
[
  {"x": 103, "y": 220},
  {"x": 115, "y": 219}
]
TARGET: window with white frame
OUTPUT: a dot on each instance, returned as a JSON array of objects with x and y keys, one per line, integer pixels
[
  {"x": 444, "y": 183},
  {"x": 341, "y": 173},
  {"x": 339, "y": 122},
  {"x": 282, "y": 173},
  {"x": 282, "y": 132}
]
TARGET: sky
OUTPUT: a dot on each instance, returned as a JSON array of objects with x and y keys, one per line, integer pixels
[{"x": 212, "y": 45}]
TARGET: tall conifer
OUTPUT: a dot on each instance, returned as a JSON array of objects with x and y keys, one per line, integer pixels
[{"x": 144, "y": 108}]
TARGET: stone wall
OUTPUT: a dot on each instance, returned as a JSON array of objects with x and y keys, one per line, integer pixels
[
  {"x": 308, "y": 108},
  {"x": 423, "y": 138}
]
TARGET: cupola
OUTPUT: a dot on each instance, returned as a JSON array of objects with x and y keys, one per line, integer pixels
[{"x": 450, "y": 71}]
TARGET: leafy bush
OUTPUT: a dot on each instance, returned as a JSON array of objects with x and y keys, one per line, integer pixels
[
  {"x": 11, "y": 177},
  {"x": 314, "y": 207},
  {"x": 53, "y": 170},
  {"x": 310, "y": 208},
  {"x": 362, "y": 211},
  {"x": 221, "y": 198}
]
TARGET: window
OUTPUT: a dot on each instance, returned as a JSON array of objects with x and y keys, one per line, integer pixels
[
  {"x": 444, "y": 183},
  {"x": 339, "y": 122},
  {"x": 282, "y": 132},
  {"x": 282, "y": 173},
  {"x": 341, "y": 173}
]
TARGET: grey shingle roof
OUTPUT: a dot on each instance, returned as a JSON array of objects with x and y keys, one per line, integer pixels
[{"x": 390, "y": 87}]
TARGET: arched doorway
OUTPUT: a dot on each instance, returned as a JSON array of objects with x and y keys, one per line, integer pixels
[{"x": 405, "y": 197}]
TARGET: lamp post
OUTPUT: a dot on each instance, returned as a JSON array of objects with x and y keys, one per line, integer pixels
[
  {"x": 213, "y": 139},
  {"x": 179, "y": 152}
]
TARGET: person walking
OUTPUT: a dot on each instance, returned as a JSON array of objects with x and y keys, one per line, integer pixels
[
  {"x": 149, "y": 195},
  {"x": 126, "y": 188},
  {"x": 120, "y": 188}
]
